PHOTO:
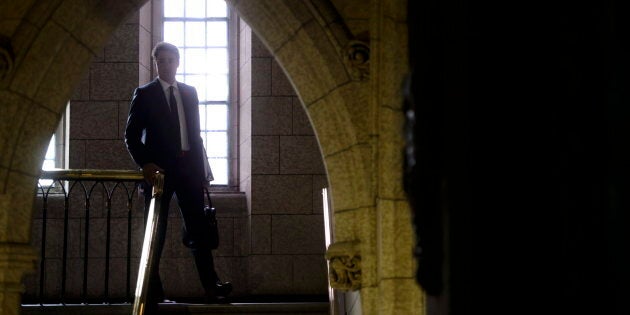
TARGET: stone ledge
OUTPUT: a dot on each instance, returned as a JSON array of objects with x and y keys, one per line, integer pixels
[{"x": 230, "y": 204}]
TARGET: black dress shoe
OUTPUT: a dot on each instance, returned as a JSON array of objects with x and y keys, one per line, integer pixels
[
  {"x": 223, "y": 288},
  {"x": 219, "y": 293}
]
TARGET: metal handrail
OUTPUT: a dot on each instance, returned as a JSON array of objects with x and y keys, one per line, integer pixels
[{"x": 92, "y": 174}]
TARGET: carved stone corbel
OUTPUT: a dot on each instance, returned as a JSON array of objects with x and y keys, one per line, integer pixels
[
  {"x": 357, "y": 59},
  {"x": 6, "y": 58},
  {"x": 16, "y": 260},
  {"x": 344, "y": 267}
]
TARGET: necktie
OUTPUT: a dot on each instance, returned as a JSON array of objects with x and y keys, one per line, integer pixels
[
  {"x": 171, "y": 100},
  {"x": 175, "y": 116}
]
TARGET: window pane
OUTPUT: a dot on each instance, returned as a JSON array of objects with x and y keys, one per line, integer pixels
[
  {"x": 216, "y": 144},
  {"x": 195, "y": 8},
  {"x": 217, "y": 60},
  {"x": 195, "y": 32},
  {"x": 173, "y": 33},
  {"x": 215, "y": 116},
  {"x": 49, "y": 162},
  {"x": 198, "y": 81},
  {"x": 173, "y": 8},
  {"x": 219, "y": 171},
  {"x": 48, "y": 165},
  {"x": 217, "y": 8},
  {"x": 50, "y": 152},
  {"x": 47, "y": 182},
  {"x": 217, "y": 87},
  {"x": 195, "y": 61},
  {"x": 217, "y": 34}
]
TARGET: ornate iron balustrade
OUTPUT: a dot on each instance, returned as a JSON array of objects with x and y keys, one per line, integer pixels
[{"x": 58, "y": 224}]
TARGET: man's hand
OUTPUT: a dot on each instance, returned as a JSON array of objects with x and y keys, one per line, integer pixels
[{"x": 148, "y": 171}]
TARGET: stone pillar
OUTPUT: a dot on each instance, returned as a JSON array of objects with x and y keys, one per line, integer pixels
[{"x": 15, "y": 261}]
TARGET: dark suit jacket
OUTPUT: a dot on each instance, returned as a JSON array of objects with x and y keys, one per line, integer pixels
[{"x": 150, "y": 134}]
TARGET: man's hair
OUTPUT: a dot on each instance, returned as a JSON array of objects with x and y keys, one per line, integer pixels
[{"x": 164, "y": 46}]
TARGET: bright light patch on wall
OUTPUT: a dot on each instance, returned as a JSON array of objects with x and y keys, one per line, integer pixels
[{"x": 49, "y": 162}]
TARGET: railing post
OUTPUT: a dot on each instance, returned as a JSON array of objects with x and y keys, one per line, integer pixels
[
  {"x": 149, "y": 258},
  {"x": 129, "y": 231}
]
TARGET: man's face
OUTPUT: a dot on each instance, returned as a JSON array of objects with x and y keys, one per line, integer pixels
[{"x": 166, "y": 63}]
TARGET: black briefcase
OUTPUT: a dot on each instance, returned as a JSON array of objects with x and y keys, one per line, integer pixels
[{"x": 210, "y": 214}]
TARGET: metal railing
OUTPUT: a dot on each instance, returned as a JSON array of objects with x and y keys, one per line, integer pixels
[
  {"x": 63, "y": 257},
  {"x": 149, "y": 258}
]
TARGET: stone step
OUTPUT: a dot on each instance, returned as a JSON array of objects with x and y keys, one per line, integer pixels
[{"x": 293, "y": 308}]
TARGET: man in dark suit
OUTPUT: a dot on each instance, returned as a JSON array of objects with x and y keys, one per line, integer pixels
[{"x": 163, "y": 134}]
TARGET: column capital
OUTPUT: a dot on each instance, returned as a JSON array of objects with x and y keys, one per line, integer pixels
[{"x": 344, "y": 271}]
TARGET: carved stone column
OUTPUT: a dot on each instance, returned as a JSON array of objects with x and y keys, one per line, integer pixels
[
  {"x": 15, "y": 261},
  {"x": 344, "y": 266}
]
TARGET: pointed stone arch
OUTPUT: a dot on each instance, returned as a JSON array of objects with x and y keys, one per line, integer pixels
[{"x": 46, "y": 46}]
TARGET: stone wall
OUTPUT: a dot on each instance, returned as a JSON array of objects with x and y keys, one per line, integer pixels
[{"x": 287, "y": 175}]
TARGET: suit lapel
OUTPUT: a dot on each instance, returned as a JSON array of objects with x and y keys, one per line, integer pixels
[{"x": 183, "y": 93}]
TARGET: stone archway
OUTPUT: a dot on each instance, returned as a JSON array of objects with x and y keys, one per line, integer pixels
[{"x": 46, "y": 47}]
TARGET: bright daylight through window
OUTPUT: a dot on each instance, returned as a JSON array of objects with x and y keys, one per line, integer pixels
[
  {"x": 49, "y": 161},
  {"x": 199, "y": 28}
]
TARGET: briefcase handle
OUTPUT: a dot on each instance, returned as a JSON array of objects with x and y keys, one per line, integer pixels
[{"x": 208, "y": 197}]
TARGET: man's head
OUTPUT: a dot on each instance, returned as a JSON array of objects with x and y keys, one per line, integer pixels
[{"x": 166, "y": 58}]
